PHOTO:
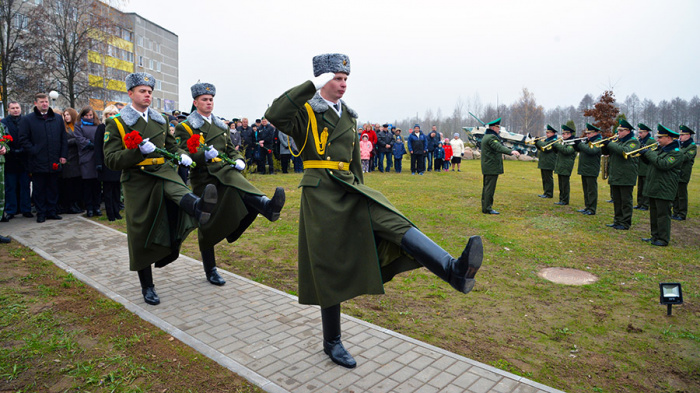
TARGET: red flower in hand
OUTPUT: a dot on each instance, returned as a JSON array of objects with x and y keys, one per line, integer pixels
[
  {"x": 132, "y": 140},
  {"x": 193, "y": 143},
  {"x": 7, "y": 138},
  {"x": 55, "y": 166}
]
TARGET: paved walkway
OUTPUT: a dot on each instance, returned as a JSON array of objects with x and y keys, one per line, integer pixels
[{"x": 259, "y": 333}]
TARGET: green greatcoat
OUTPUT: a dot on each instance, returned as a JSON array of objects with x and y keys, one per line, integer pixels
[
  {"x": 492, "y": 150},
  {"x": 622, "y": 172},
  {"x": 155, "y": 225},
  {"x": 589, "y": 169},
  {"x": 547, "y": 158},
  {"x": 338, "y": 256},
  {"x": 230, "y": 217},
  {"x": 642, "y": 200},
  {"x": 680, "y": 204},
  {"x": 664, "y": 165},
  {"x": 566, "y": 157}
]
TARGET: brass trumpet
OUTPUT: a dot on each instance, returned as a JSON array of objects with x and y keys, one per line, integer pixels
[
  {"x": 572, "y": 141},
  {"x": 600, "y": 142},
  {"x": 638, "y": 152},
  {"x": 549, "y": 146},
  {"x": 532, "y": 141}
]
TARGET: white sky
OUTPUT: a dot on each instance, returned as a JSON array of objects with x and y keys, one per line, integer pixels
[{"x": 410, "y": 56}]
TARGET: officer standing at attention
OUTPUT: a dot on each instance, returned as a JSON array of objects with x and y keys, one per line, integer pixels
[
  {"x": 664, "y": 172},
  {"x": 547, "y": 159},
  {"x": 239, "y": 201},
  {"x": 566, "y": 157},
  {"x": 645, "y": 139},
  {"x": 689, "y": 150},
  {"x": 623, "y": 174},
  {"x": 492, "y": 150},
  {"x": 589, "y": 169},
  {"x": 160, "y": 209},
  {"x": 351, "y": 238}
]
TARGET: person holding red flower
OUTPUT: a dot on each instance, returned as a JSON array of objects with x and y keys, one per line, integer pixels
[
  {"x": 4, "y": 149},
  {"x": 160, "y": 209},
  {"x": 207, "y": 139}
]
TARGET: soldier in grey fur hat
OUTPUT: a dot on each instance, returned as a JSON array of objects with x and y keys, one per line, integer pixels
[
  {"x": 351, "y": 238},
  {"x": 160, "y": 209}
]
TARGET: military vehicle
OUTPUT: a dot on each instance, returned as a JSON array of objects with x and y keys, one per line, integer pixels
[{"x": 517, "y": 142}]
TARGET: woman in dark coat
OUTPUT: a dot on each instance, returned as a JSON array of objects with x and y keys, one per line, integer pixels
[
  {"x": 71, "y": 183},
  {"x": 111, "y": 188},
  {"x": 85, "y": 134}
]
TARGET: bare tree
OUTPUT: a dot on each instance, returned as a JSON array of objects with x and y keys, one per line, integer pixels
[
  {"x": 633, "y": 107},
  {"x": 528, "y": 117},
  {"x": 649, "y": 112},
  {"x": 13, "y": 25},
  {"x": 693, "y": 120}
]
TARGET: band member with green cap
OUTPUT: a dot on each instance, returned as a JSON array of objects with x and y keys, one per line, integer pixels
[
  {"x": 589, "y": 169},
  {"x": 689, "y": 150},
  {"x": 207, "y": 139},
  {"x": 492, "y": 150},
  {"x": 645, "y": 139},
  {"x": 566, "y": 157},
  {"x": 662, "y": 183},
  {"x": 623, "y": 174},
  {"x": 351, "y": 238},
  {"x": 547, "y": 159}
]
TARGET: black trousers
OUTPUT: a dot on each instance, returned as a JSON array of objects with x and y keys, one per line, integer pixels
[
  {"x": 111, "y": 190},
  {"x": 46, "y": 193},
  {"x": 92, "y": 194},
  {"x": 487, "y": 191},
  {"x": 417, "y": 163},
  {"x": 622, "y": 201},
  {"x": 284, "y": 162},
  {"x": 547, "y": 182},
  {"x": 642, "y": 200}
]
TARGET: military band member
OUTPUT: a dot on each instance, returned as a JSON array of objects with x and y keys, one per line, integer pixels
[
  {"x": 589, "y": 169},
  {"x": 689, "y": 150},
  {"x": 662, "y": 183},
  {"x": 623, "y": 174},
  {"x": 566, "y": 157},
  {"x": 492, "y": 150},
  {"x": 160, "y": 209},
  {"x": 351, "y": 238},
  {"x": 547, "y": 159},
  {"x": 645, "y": 139},
  {"x": 239, "y": 201}
]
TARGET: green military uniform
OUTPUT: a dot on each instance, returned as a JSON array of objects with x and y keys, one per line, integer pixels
[
  {"x": 547, "y": 159},
  {"x": 689, "y": 150},
  {"x": 622, "y": 177},
  {"x": 492, "y": 149},
  {"x": 643, "y": 201},
  {"x": 566, "y": 157},
  {"x": 155, "y": 225},
  {"x": 335, "y": 265},
  {"x": 230, "y": 217},
  {"x": 662, "y": 184},
  {"x": 589, "y": 169}
]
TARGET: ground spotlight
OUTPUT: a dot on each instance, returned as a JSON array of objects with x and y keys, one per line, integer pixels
[{"x": 670, "y": 294}]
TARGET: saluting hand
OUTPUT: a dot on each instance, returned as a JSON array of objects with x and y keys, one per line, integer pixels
[{"x": 322, "y": 79}]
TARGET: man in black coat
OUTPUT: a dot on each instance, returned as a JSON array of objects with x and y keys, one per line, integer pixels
[
  {"x": 247, "y": 139},
  {"x": 433, "y": 139},
  {"x": 17, "y": 191},
  {"x": 385, "y": 143},
  {"x": 266, "y": 140},
  {"x": 43, "y": 135}
]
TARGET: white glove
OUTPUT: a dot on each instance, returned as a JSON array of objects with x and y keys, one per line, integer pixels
[
  {"x": 185, "y": 160},
  {"x": 240, "y": 164},
  {"x": 211, "y": 153},
  {"x": 322, "y": 79},
  {"x": 147, "y": 147}
]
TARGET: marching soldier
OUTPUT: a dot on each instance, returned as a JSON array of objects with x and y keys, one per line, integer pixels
[
  {"x": 220, "y": 164},
  {"x": 623, "y": 174},
  {"x": 662, "y": 183},
  {"x": 351, "y": 238},
  {"x": 547, "y": 159},
  {"x": 689, "y": 150},
  {"x": 566, "y": 156},
  {"x": 645, "y": 139},
  {"x": 492, "y": 150},
  {"x": 589, "y": 168},
  {"x": 160, "y": 209}
]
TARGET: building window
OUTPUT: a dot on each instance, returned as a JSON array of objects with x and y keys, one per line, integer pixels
[
  {"x": 159, "y": 85},
  {"x": 140, "y": 61},
  {"x": 158, "y": 103},
  {"x": 150, "y": 64},
  {"x": 140, "y": 41}
]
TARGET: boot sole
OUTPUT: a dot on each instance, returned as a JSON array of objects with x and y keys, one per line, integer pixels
[
  {"x": 475, "y": 254},
  {"x": 277, "y": 203},
  {"x": 208, "y": 203}
]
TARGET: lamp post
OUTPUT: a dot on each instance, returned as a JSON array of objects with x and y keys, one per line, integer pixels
[{"x": 53, "y": 94}]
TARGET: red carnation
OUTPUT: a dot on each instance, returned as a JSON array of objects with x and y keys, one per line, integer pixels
[
  {"x": 7, "y": 138},
  {"x": 55, "y": 166},
  {"x": 193, "y": 143},
  {"x": 132, "y": 140}
]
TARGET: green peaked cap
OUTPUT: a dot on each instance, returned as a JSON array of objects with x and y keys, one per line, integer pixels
[
  {"x": 666, "y": 131},
  {"x": 625, "y": 124},
  {"x": 591, "y": 127},
  {"x": 643, "y": 126},
  {"x": 496, "y": 122}
]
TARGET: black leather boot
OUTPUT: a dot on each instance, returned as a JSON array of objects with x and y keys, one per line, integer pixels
[
  {"x": 200, "y": 208},
  {"x": 457, "y": 272},
  {"x": 147, "y": 288},
  {"x": 332, "y": 346},
  {"x": 209, "y": 259},
  {"x": 269, "y": 208}
]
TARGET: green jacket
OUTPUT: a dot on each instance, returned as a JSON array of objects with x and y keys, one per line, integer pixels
[
  {"x": 153, "y": 237},
  {"x": 622, "y": 171},
  {"x": 566, "y": 157},
  {"x": 492, "y": 150},
  {"x": 689, "y": 150},
  {"x": 643, "y": 166},
  {"x": 230, "y": 217},
  {"x": 664, "y": 171},
  {"x": 547, "y": 158},
  {"x": 338, "y": 256},
  {"x": 589, "y": 158}
]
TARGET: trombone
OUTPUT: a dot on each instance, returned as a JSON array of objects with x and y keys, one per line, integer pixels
[
  {"x": 600, "y": 142},
  {"x": 638, "y": 152}
]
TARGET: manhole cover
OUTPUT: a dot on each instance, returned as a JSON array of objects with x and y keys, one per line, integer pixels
[{"x": 561, "y": 275}]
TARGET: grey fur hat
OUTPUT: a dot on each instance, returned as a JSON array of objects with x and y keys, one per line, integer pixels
[
  {"x": 331, "y": 62},
  {"x": 139, "y": 79},
  {"x": 199, "y": 89}
]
